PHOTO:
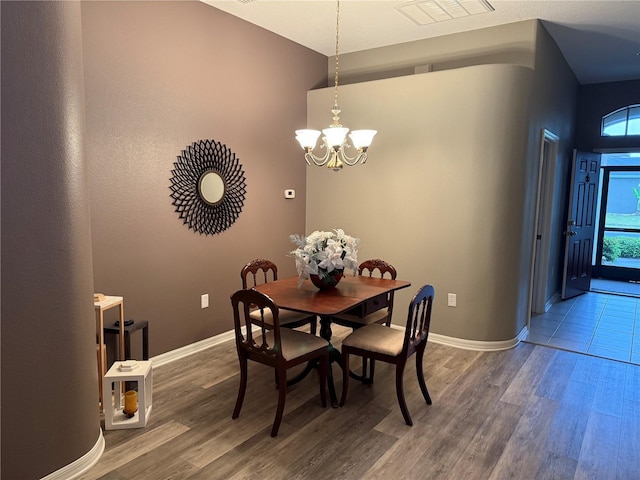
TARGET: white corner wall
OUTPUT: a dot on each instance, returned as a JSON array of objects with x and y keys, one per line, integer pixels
[{"x": 442, "y": 194}]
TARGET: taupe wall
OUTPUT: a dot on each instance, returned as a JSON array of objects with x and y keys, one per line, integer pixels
[
  {"x": 159, "y": 76},
  {"x": 553, "y": 107},
  {"x": 453, "y": 170},
  {"x": 512, "y": 44},
  {"x": 49, "y": 376},
  {"x": 431, "y": 198}
]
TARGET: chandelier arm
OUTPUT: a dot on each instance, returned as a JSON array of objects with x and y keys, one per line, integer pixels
[
  {"x": 319, "y": 161},
  {"x": 360, "y": 156}
]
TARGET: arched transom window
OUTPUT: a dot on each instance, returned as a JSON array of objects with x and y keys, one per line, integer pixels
[{"x": 622, "y": 122}]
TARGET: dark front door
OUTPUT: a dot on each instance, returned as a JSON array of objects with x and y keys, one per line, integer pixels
[{"x": 580, "y": 229}]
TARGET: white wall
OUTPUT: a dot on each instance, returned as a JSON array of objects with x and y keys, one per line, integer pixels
[{"x": 442, "y": 195}]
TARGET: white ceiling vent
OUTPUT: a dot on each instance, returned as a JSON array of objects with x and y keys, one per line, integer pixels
[{"x": 424, "y": 12}]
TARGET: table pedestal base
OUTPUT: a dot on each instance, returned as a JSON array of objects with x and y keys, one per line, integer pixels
[{"x": 334, "y": 357}]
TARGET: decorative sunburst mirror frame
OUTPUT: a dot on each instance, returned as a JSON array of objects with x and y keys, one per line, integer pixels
[{"x": 208, "y": 187}]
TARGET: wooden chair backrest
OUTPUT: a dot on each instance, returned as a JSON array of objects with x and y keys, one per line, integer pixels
[
  {"x": 418, "y": 319},
  {"x": 251, "y": 333},
  {"x": 370, "y": 266},
  {"x": 383, "y": 268},
  {"x": 258, "y": 271}
]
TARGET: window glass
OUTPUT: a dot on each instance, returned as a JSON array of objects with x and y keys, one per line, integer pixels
[
  {"x": 633, "y": 125},
  {"x": 625, "y": 121},
  {"x": 615, "y": 124}
]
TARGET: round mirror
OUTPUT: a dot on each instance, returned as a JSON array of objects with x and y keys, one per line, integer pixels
[
  {"x": 208, "y": 187},
  {"x": 211, "y": 187}
]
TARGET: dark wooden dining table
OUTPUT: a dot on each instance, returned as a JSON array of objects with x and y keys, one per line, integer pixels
[{"x": 358, "y": 295}]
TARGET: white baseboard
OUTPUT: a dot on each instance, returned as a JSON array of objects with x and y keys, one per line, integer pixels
[
  {"x": 81, "y": 465},
  {"x": 190, "y": 349},
  {"x": 187, "y": 350},
  {"x": 481, "y": 346},
  {"x": 554, "y": 299}
]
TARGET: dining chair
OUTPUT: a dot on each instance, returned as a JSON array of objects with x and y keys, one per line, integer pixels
[
  {"x": 394, "y": 346},
  {"x": 382, "y": 315},
  {"x": 262, "y": 271},
  {"x": 266, "y": 343}
]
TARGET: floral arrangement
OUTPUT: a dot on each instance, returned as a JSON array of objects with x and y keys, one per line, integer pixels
[{"x": 320, "y": 253}]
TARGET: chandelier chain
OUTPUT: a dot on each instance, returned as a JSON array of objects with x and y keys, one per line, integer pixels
[{"x": 335, "y": 100}]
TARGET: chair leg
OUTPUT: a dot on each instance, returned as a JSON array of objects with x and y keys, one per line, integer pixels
[
  {"x": 364, "y": 369},
  {"x": 324, "y": 365},
  {"x": 420, "y": 372},
  {"x": 282, "y": 393},
  {"x": 372, "y": 368},
  {"x": 400, "y": 393},
  {"x": 345, "y": 375},
  {"x": 243, "y": 385}
]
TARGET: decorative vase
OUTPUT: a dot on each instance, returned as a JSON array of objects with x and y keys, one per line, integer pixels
[{"x": 330, "y": 280}]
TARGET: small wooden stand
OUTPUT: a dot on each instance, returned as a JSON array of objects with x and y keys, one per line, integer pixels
[{"x": 106, "y": 302}]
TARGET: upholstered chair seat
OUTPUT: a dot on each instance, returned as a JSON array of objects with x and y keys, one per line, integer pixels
[
  {"x": 296, "y": 344},
  {"x": 377, "y": 338}
]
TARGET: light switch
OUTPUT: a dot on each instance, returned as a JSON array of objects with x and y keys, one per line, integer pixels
[{"x": 289, "y": 193}]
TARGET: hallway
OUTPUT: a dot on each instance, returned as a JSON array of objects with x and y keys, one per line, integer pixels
[{"x": 600, "y": 324}]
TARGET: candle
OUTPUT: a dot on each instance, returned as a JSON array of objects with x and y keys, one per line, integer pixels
[{"x": 130, "y": 403}]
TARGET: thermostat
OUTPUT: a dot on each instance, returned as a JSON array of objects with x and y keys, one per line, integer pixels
[{"x": 289, "y": 193}]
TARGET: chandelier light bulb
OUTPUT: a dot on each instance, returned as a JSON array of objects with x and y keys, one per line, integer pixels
[
  {"x": 334, "y": 136},
  {"x": 307, "y": 138},
  {"x": 361, "y": 139}
]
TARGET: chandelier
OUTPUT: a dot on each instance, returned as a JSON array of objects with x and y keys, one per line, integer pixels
[{"x": 334, "y": 139}]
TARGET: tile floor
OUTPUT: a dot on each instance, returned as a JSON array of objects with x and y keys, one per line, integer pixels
[
  {"x": 600, "y": 324},
  {"x": 609, "y": 286}
]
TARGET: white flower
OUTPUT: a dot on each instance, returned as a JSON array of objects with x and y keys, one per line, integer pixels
[{"x": 320, "y": 253}]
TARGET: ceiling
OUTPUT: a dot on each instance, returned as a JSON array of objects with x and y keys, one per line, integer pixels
[{"x": 599, "y": 39}]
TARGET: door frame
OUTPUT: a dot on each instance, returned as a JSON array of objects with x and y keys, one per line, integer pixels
[{"x": 541, "y": 249}]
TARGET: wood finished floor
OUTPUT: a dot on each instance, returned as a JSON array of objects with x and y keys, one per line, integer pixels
[{"x": 532, "y": 412}]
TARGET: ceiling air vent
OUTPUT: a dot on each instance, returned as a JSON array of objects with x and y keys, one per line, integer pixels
[{"x": 424, "y": 12}]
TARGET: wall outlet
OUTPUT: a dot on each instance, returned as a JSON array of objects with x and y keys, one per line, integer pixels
[
  {"x": 289, "y": 193},
  {"x": 204, "y": 300},
  {"x": 451, "y": 300}
]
